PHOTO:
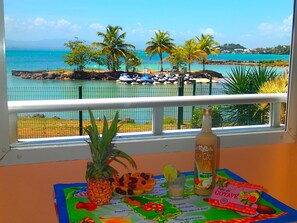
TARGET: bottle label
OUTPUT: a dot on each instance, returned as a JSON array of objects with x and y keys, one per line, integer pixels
[{"x": 203, "y": 173}]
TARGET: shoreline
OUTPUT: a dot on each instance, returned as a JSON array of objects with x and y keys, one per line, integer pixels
[
  {"x": 270, "y": 63},
  {"x": 62, "y": 74},
  {"x": 98, "y": 74}
]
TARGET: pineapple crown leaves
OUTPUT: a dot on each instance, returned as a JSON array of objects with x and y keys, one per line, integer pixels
[
  {"x": 100, "y": 145},
  {"x": 102, "y": 148},
  {"x": 106, "y": 172},
  {"x": 118, "y": 153}
]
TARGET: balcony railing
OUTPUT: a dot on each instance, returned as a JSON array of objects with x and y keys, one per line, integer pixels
[{"x": 156, "y": 103}]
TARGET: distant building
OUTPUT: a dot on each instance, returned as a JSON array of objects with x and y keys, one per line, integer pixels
[
  {"x": 239, "y": 50},
  {"x": 247, "y": 51}
]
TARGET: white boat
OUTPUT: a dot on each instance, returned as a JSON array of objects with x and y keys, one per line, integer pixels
[
  {"x": 125, "y": 77},
  {"x": 162, "y": 79},
  {"x": 157, "y": 83}
]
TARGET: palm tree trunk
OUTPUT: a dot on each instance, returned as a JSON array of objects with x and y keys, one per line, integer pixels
[
  {"x": 203, "y": 63},
  {"x": 161, "y": 60}
]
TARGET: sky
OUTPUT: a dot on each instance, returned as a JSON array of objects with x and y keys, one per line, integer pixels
[{"x": 251, "y": 23}]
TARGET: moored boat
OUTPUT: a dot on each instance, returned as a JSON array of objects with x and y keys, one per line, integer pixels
[
  {"x": 147, "y": 78},
  {"x": 125, "y": 77}
]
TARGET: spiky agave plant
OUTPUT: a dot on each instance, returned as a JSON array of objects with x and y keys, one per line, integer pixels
[{"x": 99, "y": 171}]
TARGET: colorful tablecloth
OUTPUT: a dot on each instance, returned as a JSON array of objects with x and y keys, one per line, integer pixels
[{"x": 157, "y": 206}]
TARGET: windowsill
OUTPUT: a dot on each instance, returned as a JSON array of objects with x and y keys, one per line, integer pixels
[
  {"x": 130, "y": 137},
  {"x": 76, "y": 148}
]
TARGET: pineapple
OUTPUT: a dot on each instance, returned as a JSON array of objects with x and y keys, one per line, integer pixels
[{"x": 99, "y": 171}]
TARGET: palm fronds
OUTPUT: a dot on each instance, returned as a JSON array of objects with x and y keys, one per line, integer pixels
[{"x": 247, "y": 80}]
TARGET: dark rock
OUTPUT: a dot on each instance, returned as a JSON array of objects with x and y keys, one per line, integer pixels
[
  {"x": 52, "y": 76},
  {"x": 127, "y": 120},
  {"x": 206, "y": 74},
  {"x": 38, "y": 116}
]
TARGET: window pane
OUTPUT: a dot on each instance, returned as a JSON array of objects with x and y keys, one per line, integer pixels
[{"x": 244, "y": 56}]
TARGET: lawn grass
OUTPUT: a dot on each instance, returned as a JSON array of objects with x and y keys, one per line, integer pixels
[{"x": 29, "y": 127}]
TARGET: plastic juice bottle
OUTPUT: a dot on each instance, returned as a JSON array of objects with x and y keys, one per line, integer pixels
[{"x": 205, "y": 157}]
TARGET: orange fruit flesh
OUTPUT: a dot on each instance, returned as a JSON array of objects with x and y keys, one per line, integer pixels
[
  {"x": 148, "y": 188},
  {"x": 138, "y": 191},
  {"x": 142, "y": 185},
  {"x": 151, "y": 181}
]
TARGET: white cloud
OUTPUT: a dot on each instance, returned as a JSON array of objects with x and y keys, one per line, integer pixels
[
  {"x": 10, "y": 23},
  {"x": 54, "y": 25},
  {"x": 39, "y": 21},
  {"x": 269, "y": 34},
  {"x": 278, "y": 29},
  {"x": 75, "y": 27},
  {"x": 62, "y": 23},
  {"x": 208, "y": 31},
  {"x": 140, "y": 30},
  {"x": 15, "y": 28},
  {"x": 38, "y": 26},
  {"x": 97, "y": 27},
  {"x": 211, "y": 31}
]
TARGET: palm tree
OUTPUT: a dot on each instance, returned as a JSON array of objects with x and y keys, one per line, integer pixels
[
  {"x": 193, "y": 52},
  {"x": 113, "y": 46},
  {"x": 96, "y": 57},
  {"x": 161, "y": 43},
  {"x": 132, "y": 60},
  {"x": 261, "y": 75},
  {"x": 244, "y": 80},
  {"x": 208, "y": 45},
  {"x": 177, "y": 57},
  {"x": 277, "y": 85}
]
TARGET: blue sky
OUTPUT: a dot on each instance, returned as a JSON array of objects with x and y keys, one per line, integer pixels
[{"x": 251, "y": 23}]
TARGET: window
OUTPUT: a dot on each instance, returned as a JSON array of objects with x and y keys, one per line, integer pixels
[{"x": 145, "y": 143}]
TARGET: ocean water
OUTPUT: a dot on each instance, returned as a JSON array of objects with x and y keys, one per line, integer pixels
[
  {"x": 23, "y": 89},
  {"x": 48, "y": 60}
]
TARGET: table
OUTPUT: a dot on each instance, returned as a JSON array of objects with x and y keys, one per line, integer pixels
[{"x": 190, "y": 208}]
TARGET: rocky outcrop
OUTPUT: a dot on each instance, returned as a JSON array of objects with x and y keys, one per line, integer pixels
[
  {"x": 93, "y": 75},
  {"x": 40, "y": 74},
  {"x": 66, "y": 75},
  {"x": 206, "y": 74}
]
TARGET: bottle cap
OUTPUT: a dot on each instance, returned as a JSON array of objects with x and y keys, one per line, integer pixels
[{"x": 207, "y": 111}]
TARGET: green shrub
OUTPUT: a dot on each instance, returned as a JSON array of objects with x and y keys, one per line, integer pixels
[
  {"x": 170, "y": 121},
  {"x": 217, "y": 119}
]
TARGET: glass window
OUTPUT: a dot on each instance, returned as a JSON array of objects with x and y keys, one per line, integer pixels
[{"x": 226, "y": 45}]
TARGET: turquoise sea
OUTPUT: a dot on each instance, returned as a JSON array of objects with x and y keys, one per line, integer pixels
[
  {"x": 47, "y": 60},
  {"x": 22, "y": 89}
]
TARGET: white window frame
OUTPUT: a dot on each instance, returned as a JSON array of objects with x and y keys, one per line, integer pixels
[
  {"x": 4, "y": 136},
  {"x": 10, "y": 155}
]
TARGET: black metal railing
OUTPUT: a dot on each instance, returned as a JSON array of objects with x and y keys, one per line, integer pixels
[{"x": 51, "y": 124}]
